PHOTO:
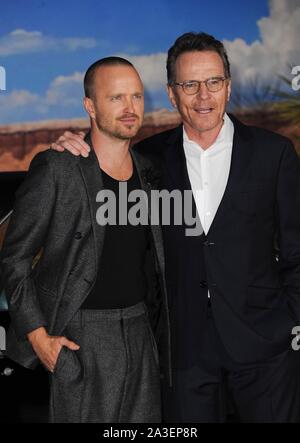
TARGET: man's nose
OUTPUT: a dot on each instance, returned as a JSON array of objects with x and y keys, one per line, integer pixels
[
  {"x": 203, "y": 92},
  {"x": 129, "y": 105}
]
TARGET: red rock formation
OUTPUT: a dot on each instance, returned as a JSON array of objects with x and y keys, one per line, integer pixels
[{"x": 19, "y": 143}]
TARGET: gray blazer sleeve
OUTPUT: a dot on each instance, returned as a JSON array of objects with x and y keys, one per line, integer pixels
[{"x": 25, "y": 236}]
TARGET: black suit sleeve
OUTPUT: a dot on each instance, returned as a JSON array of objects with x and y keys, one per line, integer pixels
[
  {"x": 24, "y": 238},
  {"x": 288, "y": 205}
]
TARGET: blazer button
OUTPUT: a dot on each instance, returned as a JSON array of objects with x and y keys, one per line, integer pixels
[
  {"x": 78, "y": 235},
  {"x": 203, "y": 284},
  {"x": 208, "y": 243}
]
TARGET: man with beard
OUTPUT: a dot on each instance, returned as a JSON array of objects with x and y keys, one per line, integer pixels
[
  {"x": 82, "y": 310},
  {"x": 233, "y": 302}
]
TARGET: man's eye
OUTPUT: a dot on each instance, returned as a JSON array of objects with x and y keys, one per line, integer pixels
[
  {"x": 115, "y": 98},
  {"x": 214, "y": 81},
  {"x": 138, "y": 96},
  {"x": 190, "y": 85}
]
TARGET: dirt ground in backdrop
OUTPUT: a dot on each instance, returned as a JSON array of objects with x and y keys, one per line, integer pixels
[{"x": 19, "y": 143}]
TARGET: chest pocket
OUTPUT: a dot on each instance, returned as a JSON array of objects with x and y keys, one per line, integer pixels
[{"x": 253, "y": 200}]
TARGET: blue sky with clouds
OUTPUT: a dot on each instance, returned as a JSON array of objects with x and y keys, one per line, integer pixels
[{"x": 46, "y": 46}]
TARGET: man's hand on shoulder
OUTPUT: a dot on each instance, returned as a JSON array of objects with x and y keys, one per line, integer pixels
[
  {"x": 73, "y": 143},
  {"x": 47, "y": 347}
]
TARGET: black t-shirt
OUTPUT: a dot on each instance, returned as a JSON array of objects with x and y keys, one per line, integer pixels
[{"x": 121, "y": 281}]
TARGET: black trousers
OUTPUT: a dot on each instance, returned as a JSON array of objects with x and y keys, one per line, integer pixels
[{"x": 264, "y": 392}]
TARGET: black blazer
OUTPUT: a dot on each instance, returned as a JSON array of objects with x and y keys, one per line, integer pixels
[
  {"x": 55, "y": 210},
  {"x": 255, "y": 298}
]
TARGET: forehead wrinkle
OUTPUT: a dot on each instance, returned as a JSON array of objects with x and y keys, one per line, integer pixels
[{"x": 199, "y": 66}]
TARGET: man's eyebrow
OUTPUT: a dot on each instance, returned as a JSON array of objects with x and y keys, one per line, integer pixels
[
  {"x": 112, "y": 94},
  {"x": 207, "y": 78}
]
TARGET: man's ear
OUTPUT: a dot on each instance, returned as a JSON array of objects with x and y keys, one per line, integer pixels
[
  {"x": 171, "y": 96},
  {"x": 89, "y": 107}
]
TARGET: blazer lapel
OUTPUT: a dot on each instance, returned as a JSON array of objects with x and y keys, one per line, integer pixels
[
  {"x": 240, "y": 161},
  {"x": 149, "y": 179},
  {"x": 176, "y": 170},
  {"x": 92, "y": 177},
  {"x": 175, "y": 162}
]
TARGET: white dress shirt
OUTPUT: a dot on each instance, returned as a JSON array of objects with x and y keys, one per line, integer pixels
[{"x": 208, "y": 171}]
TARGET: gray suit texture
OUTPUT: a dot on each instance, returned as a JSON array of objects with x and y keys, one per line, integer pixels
[{"x": 54, "y": 216}]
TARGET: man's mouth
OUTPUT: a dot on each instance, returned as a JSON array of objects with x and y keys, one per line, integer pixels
[
  {"x": 203, "y": 110},
  {"x": 128, "y": 119}
]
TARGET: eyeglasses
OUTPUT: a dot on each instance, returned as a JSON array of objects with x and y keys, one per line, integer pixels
[{"x": 191, "y": 87}]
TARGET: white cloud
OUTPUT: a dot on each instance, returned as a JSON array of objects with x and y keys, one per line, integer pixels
[
  {"x": 65, "y": 90},
  {"x": 152, "y": 69},
  {"x": 64, "y": 95},
  {"x": 277, "y": 48},
  {"x": 21, "y": 41},
  {"x": 18, "y": 105},
  {"x": 18, "y": 98}
]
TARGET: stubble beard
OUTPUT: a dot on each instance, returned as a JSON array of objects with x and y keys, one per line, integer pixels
[{"x": 108, "y": 128}]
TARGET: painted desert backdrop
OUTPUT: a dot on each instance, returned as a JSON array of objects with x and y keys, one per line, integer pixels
[{"x": 19, "y": 143}]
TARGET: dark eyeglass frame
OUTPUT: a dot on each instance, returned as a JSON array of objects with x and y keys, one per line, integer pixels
[{"x": 198, "y": 82}]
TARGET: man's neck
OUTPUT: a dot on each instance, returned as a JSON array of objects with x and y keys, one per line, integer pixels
[
  {"x": 113, "y": 155},
  {"x": 109, "y": 150}
]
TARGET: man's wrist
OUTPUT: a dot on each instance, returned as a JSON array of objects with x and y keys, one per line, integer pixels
[{"x": 37, "y": 334}]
